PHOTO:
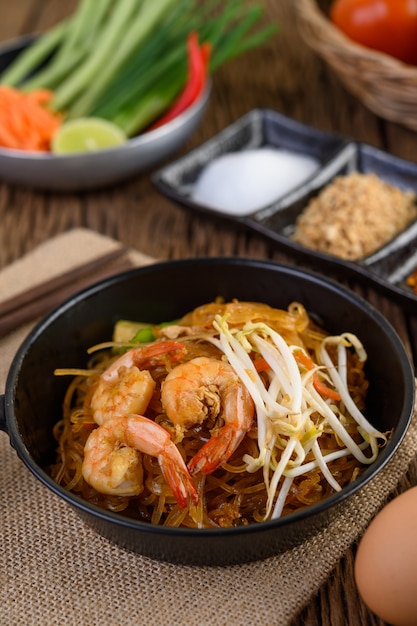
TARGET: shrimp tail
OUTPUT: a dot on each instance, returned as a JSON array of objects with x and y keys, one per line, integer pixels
[
  {"x": 216, "y": 451},
  {"x": 150, "y": 438},
  {"x": 180, "y": 482}
]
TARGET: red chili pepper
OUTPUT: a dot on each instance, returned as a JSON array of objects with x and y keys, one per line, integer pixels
[{"x": 198, "y": 63}]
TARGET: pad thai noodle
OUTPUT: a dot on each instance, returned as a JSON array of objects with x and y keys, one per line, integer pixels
[{"x": 236, "y": 413}]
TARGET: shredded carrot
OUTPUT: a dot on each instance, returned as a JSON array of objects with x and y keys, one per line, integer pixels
[
  {"x": 307, "y": 362},
  {"x": 26, "y": 122},
  {"x": 261, "y": 365}
]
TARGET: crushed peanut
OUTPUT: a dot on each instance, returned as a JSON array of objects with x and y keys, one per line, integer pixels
[{"x": 354, "y": 216}]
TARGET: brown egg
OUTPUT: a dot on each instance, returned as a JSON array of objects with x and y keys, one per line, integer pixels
[{"x": 386, "y": 562}]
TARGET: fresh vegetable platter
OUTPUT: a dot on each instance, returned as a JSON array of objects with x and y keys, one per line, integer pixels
[
  {"x": 371, "y": 45},
  {"x": 128, "y": 66},
  {"x": 99, "y": 168}
]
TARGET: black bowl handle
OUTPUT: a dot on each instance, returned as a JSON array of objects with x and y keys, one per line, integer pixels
[{"x": 3, "y": 413}]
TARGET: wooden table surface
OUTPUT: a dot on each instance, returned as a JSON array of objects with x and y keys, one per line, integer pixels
[{"x": 284, "y": 75}]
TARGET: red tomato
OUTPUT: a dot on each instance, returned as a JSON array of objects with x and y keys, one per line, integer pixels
[{"x": 389, "y": 26}]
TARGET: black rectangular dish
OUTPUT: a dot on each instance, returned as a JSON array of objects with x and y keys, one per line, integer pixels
[{"x": 387, "y": 268}]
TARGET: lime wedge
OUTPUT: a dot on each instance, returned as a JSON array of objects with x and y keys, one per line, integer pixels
[{"x": 86, "y": 134}]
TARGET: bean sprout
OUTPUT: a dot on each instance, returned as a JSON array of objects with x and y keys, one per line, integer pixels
[{"x": 286, "y": 402}]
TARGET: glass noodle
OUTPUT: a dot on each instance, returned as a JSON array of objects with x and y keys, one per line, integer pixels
[{"x": 309, "y": 437}]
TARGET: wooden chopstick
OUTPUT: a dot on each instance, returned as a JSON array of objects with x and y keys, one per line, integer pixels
[
  {"x": 42, "y": 298},
  {"x": 48, "y": 286}
]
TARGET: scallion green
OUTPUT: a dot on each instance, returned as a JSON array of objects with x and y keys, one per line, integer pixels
[{"x": 126, "y": 61}]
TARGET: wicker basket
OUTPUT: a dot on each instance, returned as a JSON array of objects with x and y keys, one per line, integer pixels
[{"x": 386, "y": 86}]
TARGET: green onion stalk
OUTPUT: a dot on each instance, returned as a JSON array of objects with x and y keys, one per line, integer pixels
[{"x": 127, "y": 61}]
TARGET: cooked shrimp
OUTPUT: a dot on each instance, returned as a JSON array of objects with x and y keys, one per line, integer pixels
[
  {"x": 124, "y": 388},
  {"x": 112, "y": 458},
  {"x": 208, "y": 388}
]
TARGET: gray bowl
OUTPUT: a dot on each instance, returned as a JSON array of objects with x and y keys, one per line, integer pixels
[{"x": 77, "y": 172}]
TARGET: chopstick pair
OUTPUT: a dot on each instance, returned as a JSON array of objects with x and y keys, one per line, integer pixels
[{"x": 41, "y": 299}]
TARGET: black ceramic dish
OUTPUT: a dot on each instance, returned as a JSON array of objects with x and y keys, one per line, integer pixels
[
  {"x": 387, "y": 269},
  {"x": 33, "y": 397}
]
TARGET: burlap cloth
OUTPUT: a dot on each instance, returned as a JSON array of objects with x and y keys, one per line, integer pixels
[{"x": 54, "y": 570}]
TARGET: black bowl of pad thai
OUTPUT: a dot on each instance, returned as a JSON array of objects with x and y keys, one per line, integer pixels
[{"x": 209, "y": 411}]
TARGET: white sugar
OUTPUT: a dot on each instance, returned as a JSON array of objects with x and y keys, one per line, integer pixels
[{"x": 239, "y": 183}]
